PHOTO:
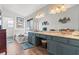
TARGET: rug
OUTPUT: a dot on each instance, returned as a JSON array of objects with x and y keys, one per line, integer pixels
[{"x": 26, "y": 45}]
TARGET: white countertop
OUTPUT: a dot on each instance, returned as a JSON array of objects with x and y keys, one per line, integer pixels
[{"x": 55, "y": 33}]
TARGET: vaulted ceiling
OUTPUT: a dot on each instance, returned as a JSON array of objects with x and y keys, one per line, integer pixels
[{"x": 22, "y": 9}]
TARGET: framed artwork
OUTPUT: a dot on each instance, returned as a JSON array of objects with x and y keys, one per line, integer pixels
[
  {"x": 30, "y": 24},
  {"x": 64, "y": 20},
  {"x": 19, "y": 22}
]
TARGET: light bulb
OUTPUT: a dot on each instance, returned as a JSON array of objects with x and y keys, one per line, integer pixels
[
  {"x": 57, "y": 10},
  {"x": 63, "y": 8},
  {"x": 40, "y": 15},
  {"x": 52, "y": 12}
]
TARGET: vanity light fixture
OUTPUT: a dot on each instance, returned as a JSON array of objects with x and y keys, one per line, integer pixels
[
  {"x": 40, "y": 15},
  {"x": 57, "y": 8}
]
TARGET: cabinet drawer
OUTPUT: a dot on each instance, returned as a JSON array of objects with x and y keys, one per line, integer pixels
[
  {"x": 41, "y": 36},
  {"x": 49, "y": 37},
  {"x": 61, "y": 39},
  {"x": 74, "y": 42},
  {"x": 31, "y": 33},
  {"x": 37, "y": 35}
]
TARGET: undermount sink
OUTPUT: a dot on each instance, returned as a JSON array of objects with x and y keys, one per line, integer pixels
[{"x": 76, "y": 35}]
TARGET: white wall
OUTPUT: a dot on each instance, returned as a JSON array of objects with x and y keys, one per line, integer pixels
[
  {"x": 10, "y": 31},
  {"x": 9, "y": 14},
  {"x": 72, "y": 12}
]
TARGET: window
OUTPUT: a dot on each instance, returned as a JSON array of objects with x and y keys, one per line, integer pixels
[
  {"x": 10, "y": 23},
  {"x": 30, "y": 24}
]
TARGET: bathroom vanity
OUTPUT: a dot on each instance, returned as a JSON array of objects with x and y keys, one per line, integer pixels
[{"x": 57, "y": 43}]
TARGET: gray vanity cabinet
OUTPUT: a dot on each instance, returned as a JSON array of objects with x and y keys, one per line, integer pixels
[
  {"x": 62, "y": 46},
  {"x": 56, "y": 45}
]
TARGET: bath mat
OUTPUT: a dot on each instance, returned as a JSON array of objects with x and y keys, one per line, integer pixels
[{"x": 26, "y": 45}]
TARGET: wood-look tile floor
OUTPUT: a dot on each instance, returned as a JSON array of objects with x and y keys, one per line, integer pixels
[{"x": 16, "y": 49}]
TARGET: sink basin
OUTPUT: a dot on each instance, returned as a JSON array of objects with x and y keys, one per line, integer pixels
[{"x": 76, "y": 35}]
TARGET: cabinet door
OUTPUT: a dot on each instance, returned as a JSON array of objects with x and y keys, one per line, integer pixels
[
  {"x": 74, "y": 42},
  {"x": 77, "y": 50},
  {"x": 54, "y": 46},
  {"x": 33, "y": 39},
  {"x": 59, "y": 48},
  {"x": 51, "y": 46},
  {"x": 69, "y": 50},
  {"x": 30, "y": 37}
]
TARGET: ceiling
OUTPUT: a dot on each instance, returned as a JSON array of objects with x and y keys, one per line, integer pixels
[{"x": 23, "y": 9}]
